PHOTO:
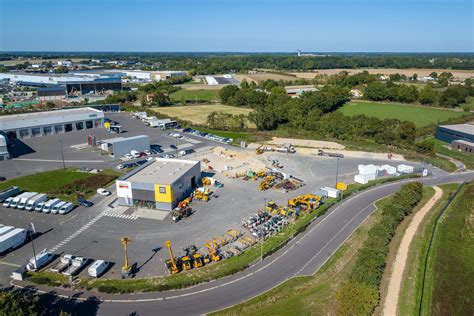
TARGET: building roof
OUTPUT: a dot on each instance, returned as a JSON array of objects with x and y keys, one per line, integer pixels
[
  {"x": 463, "y": 128},
  {"x": 163, "y": 171},
  {"x": 26, "y": 120},
  {"x": 123, "y": 139},
  {"x": 462, "y": 141}
]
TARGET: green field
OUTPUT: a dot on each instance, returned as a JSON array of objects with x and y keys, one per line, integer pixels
[
  {"x": 449, "y": 285},
  {"x": 195, "y": 95},
  {"x": 420, "y": 115},
  {"x": 54, "y": 182}
]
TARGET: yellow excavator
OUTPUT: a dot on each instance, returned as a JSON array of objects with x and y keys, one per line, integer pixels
[
  {"x": 213, "y": 252},
  {"x": 186, "y": 263},
  {"x": 198, "y": 261},
  {"x": 171, "y": 263}
]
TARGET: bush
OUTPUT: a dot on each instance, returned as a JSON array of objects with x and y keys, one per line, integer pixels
[
  {"x": 87, "y": 185},
  {"x": 356, "y": 299}
]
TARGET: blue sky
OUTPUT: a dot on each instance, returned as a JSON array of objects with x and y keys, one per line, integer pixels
[{"x": 239, "y": 25}]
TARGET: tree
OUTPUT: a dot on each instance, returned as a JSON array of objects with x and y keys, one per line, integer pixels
[
  {"x": 434, "y": 75},
  {"x": 227, "y": 92},
  {"x": 454, "y": 95},
  {"x": 426, "y": 146},
  {"x": 376, "y": 91},
  {"x": 16, "y": 303},
  {"x": 428, "y": 95}
]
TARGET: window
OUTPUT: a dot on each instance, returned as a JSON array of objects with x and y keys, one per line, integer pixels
[
  {"x": 24, "y": 133},
  {"x": 68, "y": 127},
  {"x": 162, "y": 190},
  {"x": 89, "y": 124},
  {"x": 36, "y": 132},
  {"x": 97, "y": 123},
  {"x": 58, "y": 129},
  {"x": 79, "y": 126},
  {"x": 47, "y": 130}
]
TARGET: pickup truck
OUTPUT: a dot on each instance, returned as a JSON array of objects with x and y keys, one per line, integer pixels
[
  {"x": 63, "y": 264},
  {"x": 77, "y": 264}
]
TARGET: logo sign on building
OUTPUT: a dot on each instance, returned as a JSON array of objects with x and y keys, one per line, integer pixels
[{"x": 124, "y": 189}]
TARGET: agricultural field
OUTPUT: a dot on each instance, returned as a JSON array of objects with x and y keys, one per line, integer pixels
[
  {"x": 420, "y": 115},
  {"x": 197, "y": 114},
  {"x": 195, "y": 95},
  {"x": 463, "y": 74},
  {"x": 265, "y": 76}
]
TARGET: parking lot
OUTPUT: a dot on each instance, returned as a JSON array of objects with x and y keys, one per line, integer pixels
[{"x": 95, "y": 232}]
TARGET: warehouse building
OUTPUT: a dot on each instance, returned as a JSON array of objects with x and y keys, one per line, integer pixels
[
  {"x": 450, "y": 133},
  {"x": 4, "y": 154},
  {"x": 159, "y": 185},
  {"x": 19, "y": 126},
  {"x": 120, "y": 146},
  {"x": 463, "y": 145},
  {"x": 71, "y": 83}
]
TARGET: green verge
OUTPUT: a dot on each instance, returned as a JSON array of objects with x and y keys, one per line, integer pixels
[
  {"x": 449, "y": 285},
  {"x": 55, "y": 182},
  {"x": 410, "y": 290},
  {"x": 195, "y": 95},
  {"x": 227, "y": 266},
  {"x": 236, "y": 136}
]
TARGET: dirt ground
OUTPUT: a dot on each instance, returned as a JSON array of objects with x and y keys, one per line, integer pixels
[
  {"x": 462, "y": 74},
  {"x": 391, "y": 300},
  {"x": 311, "y": 147}
]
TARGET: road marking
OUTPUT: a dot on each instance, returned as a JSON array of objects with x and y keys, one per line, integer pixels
[
  {"x": 54, "y": 160},
  {"x": 10, "y": 264},
  {"x": 121, "y": 216}
]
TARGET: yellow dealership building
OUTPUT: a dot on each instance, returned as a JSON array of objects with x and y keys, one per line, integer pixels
[{"x": 159, "y": 184}]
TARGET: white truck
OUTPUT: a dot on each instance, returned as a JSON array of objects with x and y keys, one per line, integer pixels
[
  {"x": 16, "y": 199},
  {"x": 63, "y": 264},
  {"x": 49, "y": 205},
  {"x": 76, "y": 266},
  {"x": 22, "y": 204},
  {"x": 40, "y": 260},
  {"x": 5, "y": 229},
  {"x": 57, "y": 207},
  {"x": 11, "y": 191},
  {"x": 34, "y": 201},
  {"x": 97, "y": 268},
  {"x": 12, "y": 239}
]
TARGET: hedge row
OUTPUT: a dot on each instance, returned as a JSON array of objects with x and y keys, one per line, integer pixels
[{"x": 371, "y": 259}]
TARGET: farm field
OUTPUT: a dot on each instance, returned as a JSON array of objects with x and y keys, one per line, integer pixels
[
  {"x": 419, "y": 115},
  {"x": 197, "y": 114},
  {"x": 265, "y": 76},
  {"x": 209, "y": 95},
  {"x": 463, "y": 74}
]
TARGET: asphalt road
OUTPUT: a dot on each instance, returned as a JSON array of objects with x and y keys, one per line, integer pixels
[{"x": 302, "y": 256}]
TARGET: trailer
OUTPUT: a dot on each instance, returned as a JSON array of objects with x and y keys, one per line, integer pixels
[
  {"x": 77, "y": 264},
  {"x": 40, "y": 260},
  {"x": 11, "y": 191},
  {"x": 329, "y": 154},
  {"x": 12, "y": 239},
  {"x": 22, "y": 204},
  {"x": 63, "y": 264},
  {"x": 97, "y": 268},
  {"x": 34, "y": 201},
  {"x": 5, "y": 229}
]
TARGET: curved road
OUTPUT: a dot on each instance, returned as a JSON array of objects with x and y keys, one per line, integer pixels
[{"x": 304, "y": 255}]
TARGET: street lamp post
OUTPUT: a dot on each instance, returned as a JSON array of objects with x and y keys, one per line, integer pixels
[
  {"x": 62, "y": 153},
  {"x": 337, "y": 172}
]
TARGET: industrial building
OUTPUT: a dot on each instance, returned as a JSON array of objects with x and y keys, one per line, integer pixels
[
  {"x": 36, "y": 124},
  {"x": 295, "y": 91},
  {"x": 450, "y": 133},
  {"x": 120, "y": 146},
  {"x": 159, "y": 185},
  {"x": 72, "y": 83},
  {"x": 463, "y": 145},
  {"x": 134, "y": 75}
]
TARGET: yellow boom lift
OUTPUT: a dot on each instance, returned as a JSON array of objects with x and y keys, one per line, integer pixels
[
  {"x": 171, "y": 263},
  {"x": 126, "y": 269}
]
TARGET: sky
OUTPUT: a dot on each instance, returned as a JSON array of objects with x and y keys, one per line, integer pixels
[{"x": 237, "y": 25}]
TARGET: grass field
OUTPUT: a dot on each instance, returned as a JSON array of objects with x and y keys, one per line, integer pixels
[
  {"x": 449, "y": 286},
  {"x": 410, "y": 291},
  {"x": 197, "y": 114},
  {"x": 419, "y": 115},
  {"x": 52, "y": 182},
  {"x": 195, "y": 95}
]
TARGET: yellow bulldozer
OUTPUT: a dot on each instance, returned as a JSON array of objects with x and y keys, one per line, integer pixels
[{"x": 202, "y": 194}]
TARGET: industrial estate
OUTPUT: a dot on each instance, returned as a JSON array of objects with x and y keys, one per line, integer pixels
[{"x": 296, "y": 183}]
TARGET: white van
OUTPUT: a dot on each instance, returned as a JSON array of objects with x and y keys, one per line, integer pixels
[
  {"x": 17, "y": 199},
  {"x": 31, "y": 204},
  {"x": 22, "y": 204},
  {"x": 41, "y": 259},
  {"x": 66, "y": 208},
  {"x": 7, "y": 202},
  {"x": 57, "y": 207},
  {"x": 97, "y": 268},
  {"x": 135, "y": 154},
  {"x": 40, "y": 205},
  {"x": 50, "y": 204}
]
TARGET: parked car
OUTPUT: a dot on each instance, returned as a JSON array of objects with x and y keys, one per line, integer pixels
[
  {"x": 128, "y": 156},
  {"x": 147, "y": 152},
  {"x": 2, "y": 179},
  {"x": 173, "y": 147},
  {"x": 82, "y": 201},
  {"x": 103, "y": 191}
]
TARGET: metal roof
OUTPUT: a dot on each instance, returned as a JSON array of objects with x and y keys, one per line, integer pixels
[
  {"x": 28, "y": 120},
  {"x": 123, "y": 139},
  {"x": 463, "y": 128},
  {"x": 163, "y": 171},
  {"x": 462, "y": 141}
]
